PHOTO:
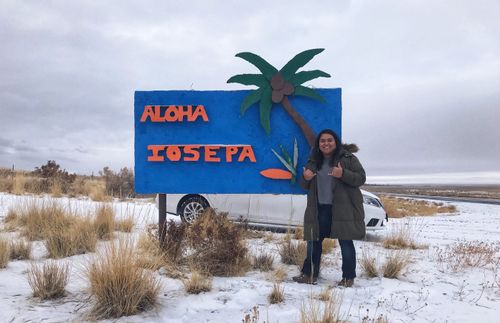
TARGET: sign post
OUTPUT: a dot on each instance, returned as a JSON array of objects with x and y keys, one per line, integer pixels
[{"x": 162, "y": 216}]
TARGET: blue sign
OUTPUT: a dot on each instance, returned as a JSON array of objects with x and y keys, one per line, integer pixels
[{"x": 200, "y": 142}]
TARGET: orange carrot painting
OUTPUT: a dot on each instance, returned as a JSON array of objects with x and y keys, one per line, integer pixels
[{"x": 287, "y": 161}]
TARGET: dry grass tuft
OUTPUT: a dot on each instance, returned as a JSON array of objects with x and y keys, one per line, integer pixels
[
  {"x": 48, "y": 281},
  {"x": 197, "y": 283},
  {"x": 402, "y": 236},
  {"x": 461, "y": 255},
  {"x": 328, "y": 245},
  {"x": 280, "y": 275},
  {"x": 6, "y": 179},
  {"x": 56, "y": 189},
  {"x": 397, "y": 261},
  {"x": 368, "y": 264},
  {"x": 120, "y": 287},
  {"x": 78, "y": 238},
  {"x": 151, "y": 256},
  {"x": 316, "y": 311},
  {"x": 277, "y": 295},
  {"x": 263, "y": 262},
  {"x": 4, "y": 253},
  {"x": 93, "y": 188},
  {"x": 292, "y": 252},
  {"x": 398, "y": 207},
  {"x": 125, "y": 225},
  {"x": 269, "y": 236},
  {"x": 65, "y": 234},
  {"x": 325, "y": 295},
  {"x": 39, "y": 220},
  {"x": 11, "y": 220},
  {"x": 298, "y": 233},
  {"x": 19, "y": 183},
  {"x": 218, "y": 245},
  {"x": 97, "y": 191},
  {"x": 20, "y": 250},
  {"x": 104, "y": 221},
  {"x": 12, "y": 216}
]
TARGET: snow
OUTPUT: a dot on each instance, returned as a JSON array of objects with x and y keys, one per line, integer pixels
[{"x": 425, "y": 292}]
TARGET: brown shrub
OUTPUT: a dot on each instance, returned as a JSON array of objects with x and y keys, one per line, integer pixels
[
  {"x": 118, "y": 286},
  {"x": 218, "y": 245},
  {"x": 277, "y": 295},
  {"x": 20, "y": 250},
  {"x": 397, "y": 207},
  {"x": 119, "y": 184},
  {"x": 48, "y": 281},
  {"x": 174, "y": 245},
  {"x": 461, "y": 255},
  {"x": 292, "y": 252},
  {"x": 197, "y": 283}
]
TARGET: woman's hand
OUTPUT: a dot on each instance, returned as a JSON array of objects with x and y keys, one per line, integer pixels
[
  {"x": 308, "y": 174},
  {"x": 337, "y": 171}
]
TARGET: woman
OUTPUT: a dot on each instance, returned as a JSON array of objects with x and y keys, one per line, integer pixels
[{"x": 334, "y": 209}]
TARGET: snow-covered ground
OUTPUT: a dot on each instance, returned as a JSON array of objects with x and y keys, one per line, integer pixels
[{"x": 426, "y": 292}]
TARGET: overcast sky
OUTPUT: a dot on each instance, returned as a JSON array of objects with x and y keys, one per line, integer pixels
[{"x": 420, "y": 79}]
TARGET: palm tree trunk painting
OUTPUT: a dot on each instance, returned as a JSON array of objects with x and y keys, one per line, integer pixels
[{"x": 297, "y": 118}]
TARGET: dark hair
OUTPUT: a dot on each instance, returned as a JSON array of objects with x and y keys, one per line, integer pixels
[{"x": 318, "y": 155}]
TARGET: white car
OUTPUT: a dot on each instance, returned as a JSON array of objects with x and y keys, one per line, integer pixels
[{"x": 264, "y": 210}]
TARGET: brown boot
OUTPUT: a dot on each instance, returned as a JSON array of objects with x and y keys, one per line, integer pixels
[
  {"x": 345, "y": 282},
  {"x": 305, "y": 279}
]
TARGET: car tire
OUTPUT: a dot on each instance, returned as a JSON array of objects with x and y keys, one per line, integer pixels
[{"x": 192, "y": 207}]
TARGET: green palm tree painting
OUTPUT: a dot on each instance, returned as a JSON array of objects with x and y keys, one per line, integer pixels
[{"x": 275, "y": 86}]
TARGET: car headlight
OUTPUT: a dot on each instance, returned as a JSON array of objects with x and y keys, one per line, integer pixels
[{"x": 371, "y": 201}]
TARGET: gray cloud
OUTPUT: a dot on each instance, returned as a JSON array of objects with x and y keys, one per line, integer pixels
[{"x": 419, "y": 79}]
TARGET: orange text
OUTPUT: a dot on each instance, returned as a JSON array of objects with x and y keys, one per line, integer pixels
[
  {"x": 173, "y": 113},
  {"x": 207, "y": 153}
]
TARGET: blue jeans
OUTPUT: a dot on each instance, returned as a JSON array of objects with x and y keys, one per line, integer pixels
[
  {"x": 348, "y": 259},
  {"x": 315, "y": 248}
]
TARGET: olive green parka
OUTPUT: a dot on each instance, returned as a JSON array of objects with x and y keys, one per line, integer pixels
[{"x": 347, "y": 208}]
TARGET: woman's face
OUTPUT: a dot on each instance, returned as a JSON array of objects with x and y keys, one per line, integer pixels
[{"x": 327, "y": 144}]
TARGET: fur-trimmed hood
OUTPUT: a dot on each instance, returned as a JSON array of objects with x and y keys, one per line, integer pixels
[{"x": 352, "y": 148}]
